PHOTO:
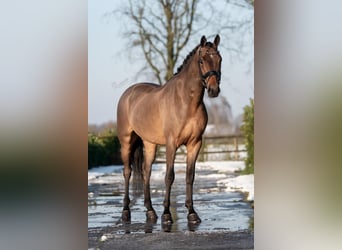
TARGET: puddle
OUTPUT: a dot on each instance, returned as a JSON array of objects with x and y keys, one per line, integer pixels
[{"x": 219, "y": 209}]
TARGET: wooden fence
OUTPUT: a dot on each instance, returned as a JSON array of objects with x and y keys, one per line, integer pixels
[
  {"x": 214, "y": 148},
  {"x": 230, "y": 147}
]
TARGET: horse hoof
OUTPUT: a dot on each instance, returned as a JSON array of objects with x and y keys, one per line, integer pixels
[
  {"x": 126, "y": 216},
  {"x": 167, "y": 219},
  {"x": 151, "y": 216},
  {"x": 193, "y": 218},
  {"x": 166, "y": 227}
]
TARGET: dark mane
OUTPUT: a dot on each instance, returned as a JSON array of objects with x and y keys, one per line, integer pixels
[{"x": 179, "y": 69}]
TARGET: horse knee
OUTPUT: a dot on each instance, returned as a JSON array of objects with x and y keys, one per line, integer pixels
[
  {"x": 169, "y": 178},
  {"x": 127, "y": 172}
]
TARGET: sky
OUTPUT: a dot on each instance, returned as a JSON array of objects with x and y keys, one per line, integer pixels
[{"x": 111, "y": 68}]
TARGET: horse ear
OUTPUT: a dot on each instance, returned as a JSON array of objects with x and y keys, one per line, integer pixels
[
  {"x": 217, "y": 40},
  {"x": 203, "y": 41}
]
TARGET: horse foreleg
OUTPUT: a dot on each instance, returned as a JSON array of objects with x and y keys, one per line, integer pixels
[
  {"x": 169, "y": 178},
  {"x": 150, "y": 152},
  {"x": 192, "y": 153}
]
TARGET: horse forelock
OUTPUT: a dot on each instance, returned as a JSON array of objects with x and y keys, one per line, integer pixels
[{"x": 209, "y": 44}]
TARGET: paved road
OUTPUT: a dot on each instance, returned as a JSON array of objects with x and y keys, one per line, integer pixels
[
  {"x": 226, "y": 218},
  {"x": 178, "y": 240}
]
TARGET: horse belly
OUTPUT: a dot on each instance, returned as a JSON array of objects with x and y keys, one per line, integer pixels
[
  {"x": 150, "y": 134},
  {"x": 147, "y": 123}
]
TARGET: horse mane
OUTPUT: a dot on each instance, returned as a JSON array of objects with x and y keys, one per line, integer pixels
[{"x": 187, "y": 58}]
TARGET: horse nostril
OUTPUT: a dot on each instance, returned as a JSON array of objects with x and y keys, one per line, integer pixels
[{"x": 213, "y": 92}]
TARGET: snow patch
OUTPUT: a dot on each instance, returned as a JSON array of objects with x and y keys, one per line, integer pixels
[
  {"x": 100, "y": 171},
  {"x": 243, "y": 183}
]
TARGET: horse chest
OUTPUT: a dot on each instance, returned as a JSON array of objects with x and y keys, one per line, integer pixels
[{"x": 193, "y": 129}]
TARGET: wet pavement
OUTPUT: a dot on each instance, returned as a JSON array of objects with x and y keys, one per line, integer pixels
[{"x": 220, "y": 210}]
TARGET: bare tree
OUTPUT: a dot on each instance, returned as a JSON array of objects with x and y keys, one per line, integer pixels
[
  {"x": 242, "y": 3},
  {"x": 161, "y": 29},
  {"x": 236, "y": 28},
  {"x": 251, "y": 2}
]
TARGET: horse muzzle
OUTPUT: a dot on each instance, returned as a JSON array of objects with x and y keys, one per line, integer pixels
[
  {"x": 212, "y": 82},
  {"x": 213, "y": 92}
]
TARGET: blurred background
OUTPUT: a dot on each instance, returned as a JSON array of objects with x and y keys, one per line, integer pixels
[{"x": 44, "y": 120}]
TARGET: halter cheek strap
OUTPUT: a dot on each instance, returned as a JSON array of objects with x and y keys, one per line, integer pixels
[{"x": 209, "y": 73}]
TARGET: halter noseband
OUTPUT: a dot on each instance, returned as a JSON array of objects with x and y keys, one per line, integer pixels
[
  {"x": 209, "y": 73},
  {"x": 212, "y": 73}
]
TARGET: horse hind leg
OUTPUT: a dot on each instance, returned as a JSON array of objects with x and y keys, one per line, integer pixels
[
  {"x": 126, "y": 213},
  {"x": 149, "y": 156},
  {"x": 126, "y": 142}
]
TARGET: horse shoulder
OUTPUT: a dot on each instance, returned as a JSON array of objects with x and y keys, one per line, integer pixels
[
  {"x": 194, "y": 126},
  {"x": 201, "y": 119}
]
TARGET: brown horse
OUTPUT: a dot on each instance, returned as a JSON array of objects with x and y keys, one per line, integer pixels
[{"x": 173, "y": 115}]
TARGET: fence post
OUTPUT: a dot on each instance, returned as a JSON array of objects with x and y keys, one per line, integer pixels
[{"x": 236, "y": 148}]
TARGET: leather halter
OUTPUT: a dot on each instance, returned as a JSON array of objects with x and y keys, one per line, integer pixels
[{"x": 209, "y": 73}]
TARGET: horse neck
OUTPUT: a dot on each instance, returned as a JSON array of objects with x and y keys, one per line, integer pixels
[{"x": 191, "y": 81}]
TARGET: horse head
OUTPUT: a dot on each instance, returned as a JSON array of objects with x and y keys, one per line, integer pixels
[{"x": 210, "y": 65}]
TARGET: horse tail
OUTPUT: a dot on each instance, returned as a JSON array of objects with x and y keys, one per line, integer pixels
[{"x": 137, "y": 159}]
